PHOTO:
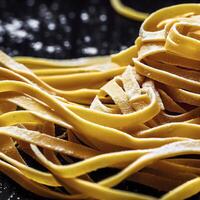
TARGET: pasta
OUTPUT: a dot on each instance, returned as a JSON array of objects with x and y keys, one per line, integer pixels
[{"x": 136, "y": 112}]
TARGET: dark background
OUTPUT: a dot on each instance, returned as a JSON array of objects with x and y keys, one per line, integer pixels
[{"x": 66, "y": 29}]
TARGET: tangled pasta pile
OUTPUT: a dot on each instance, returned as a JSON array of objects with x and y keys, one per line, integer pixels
[{"x": 136, "y": 111}]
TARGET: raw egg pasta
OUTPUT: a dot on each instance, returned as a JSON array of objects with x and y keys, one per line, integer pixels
[{"x": 136, "y": 112}]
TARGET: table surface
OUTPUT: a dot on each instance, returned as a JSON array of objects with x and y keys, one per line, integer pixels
[{"x": 67, "y": 29}]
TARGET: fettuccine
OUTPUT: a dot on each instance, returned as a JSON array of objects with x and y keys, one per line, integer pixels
[{"x": 137, "y": 112}]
